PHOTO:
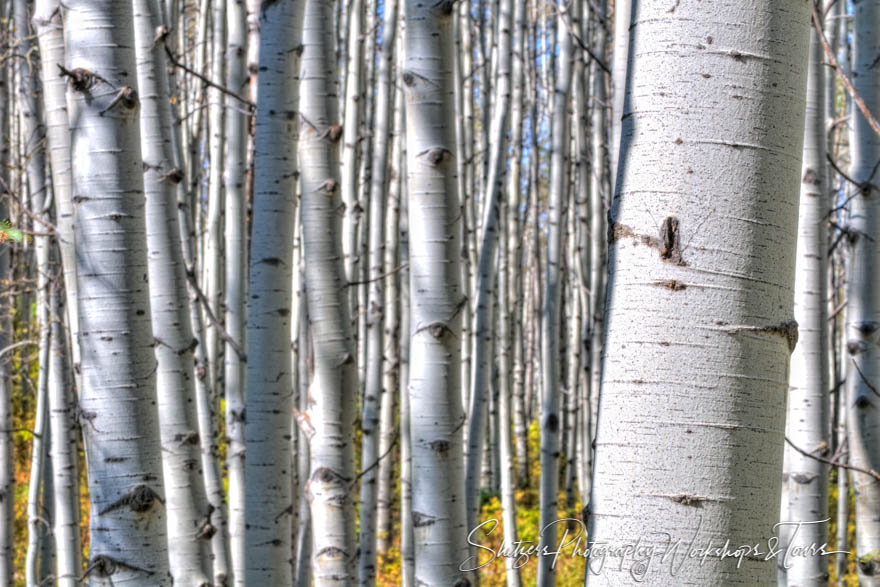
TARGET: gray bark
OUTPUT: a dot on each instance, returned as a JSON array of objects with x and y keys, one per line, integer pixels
[
  {"x": 119, "y": 421},
  {"x": 333, "y": 391},
  {"x": 268, "y": 499},
  {"x": 701, "y": 283}
]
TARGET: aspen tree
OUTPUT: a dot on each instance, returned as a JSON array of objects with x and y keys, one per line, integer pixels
[
  {"x": 268, "y": 499},
  {"x": 700, "y": 322},
  {"x": 118, "y": 400}
]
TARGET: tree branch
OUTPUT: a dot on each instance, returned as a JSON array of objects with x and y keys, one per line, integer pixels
[
  {"x": 817, "y": 21},
  {"x": 833, "y": 462}
]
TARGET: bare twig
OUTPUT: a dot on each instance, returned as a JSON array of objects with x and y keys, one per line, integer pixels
[
  {"x": 191, "y": 278},
  {"x": 205, "y": 79},
  {"x": 376, "y": 462},
  {"x": 832, "y": 462},
  {"x": 851, "y": 90}
]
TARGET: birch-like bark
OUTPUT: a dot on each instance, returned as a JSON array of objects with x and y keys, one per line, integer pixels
[
  {"x": 407, "y": 538},
  {"x": 550, "y": 371},
  {"x": 65, "y": 466},
  {"x": 805, "y": 479},
  {"x": 117, "y": 403},
  {"x": 186, "y": 505},
  {"x": 352, "y": 110},
  {"x": 390, "y": 387},
  {"x": 505, "y": 389},
  {"x": 863, "y": 297},
  {"x": 514, "y": 236},
  {"x": 333, "y": 392},
  {"x": 235, "y": 277},
  {"x": 213, "y": 244},
  {"x": 376, "y": 309},
  {"x": 268, "y": 499},
  {"x": 620, "y": 62},
  {"x": 601, "y": 181},
  {"x": 482, "y": 360},
  {"x": 38, "y": 526},
  {"x": 700, "y": 317},
  {"x": 32, "y": 137},
  {"x": 47, "y": 22},
  {"x": 437, "y": 298},
  {"x": 205, "y": 405}
]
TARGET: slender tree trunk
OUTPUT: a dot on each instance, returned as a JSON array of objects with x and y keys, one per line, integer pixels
[
  {"x": 119, "y": 421},
  {"x": 620, "y": 61},
  {"x": 373, "y": 394},
  {"x": 65, "y": 467},
  {"x": 333, "y": 392},
  {"x": 390, "y": 385},
  {"x": 550, "y": 335},
  {"x": 235, "y": 277},
  {"x": 353, "y": 105},
  {"x": 483, "y": 332},
  {"x": 407, "y": 537},
  {"x": 600, "y": 196},
  {"x": 505, "y": 419},
  {"x": 32, "y": 136},
  {"x": 805, "y": 479},
  {"x": 47, "y": 21},
  {"x": 700, "y": 290},
  {"x": 437, "y": 298},
  {"x": 268, "y": 504},
  {"x": 863, "y": 297},
  {"x": 515, "y": 225},
  {"x": 205, "y": 405},
  {"x": 185, "y": 504},
  {"x": 213, "y": 243}
]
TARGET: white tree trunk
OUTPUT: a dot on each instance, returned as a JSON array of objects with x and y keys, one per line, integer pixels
[
  {"x": 65, "y": 468},
  {"x": 268, "y": 499},
  {"x": 620, "y": 59},
  {"x": 47, "y": 21},
  {"x": 863, "y": 297},
  {"x": 213, "y": 245},
  {"x": 700, "y": 317},
  {"x": 550, "y": 335},
  {"x": 379, "y": 394},
  {"x": 485, "y": 282},
  {"x": 235, "y": 279},
  {"x": 186, "y": 506},
  {"x": 117, "y": 404},
  {"x": 333, "y": 392},
  {"x": 437, "y": 298},
  {"x": 805, "y": 480}
]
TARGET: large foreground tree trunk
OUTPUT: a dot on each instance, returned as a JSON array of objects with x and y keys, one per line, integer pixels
[
  {"x": 700, "y": 318},
  {"x": 268, "y": 501},
  {"x": 118, "y": 400}
]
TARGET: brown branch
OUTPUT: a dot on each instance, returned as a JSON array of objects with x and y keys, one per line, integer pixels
[
  {"x": 378, "y": 277},
  {"x": 376, "y": 462},
  {"x": 817, "y": 21},
  {"x": 832, "y": 462},
  {"x": 205, "y": 79},
  {"x": 191, "y": 278}
]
